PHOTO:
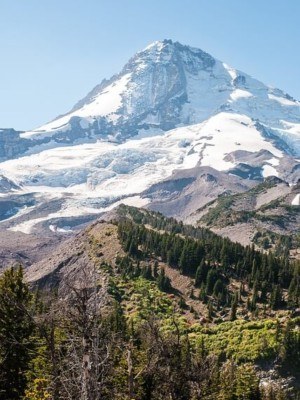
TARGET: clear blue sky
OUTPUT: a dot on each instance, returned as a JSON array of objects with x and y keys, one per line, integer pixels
[{"x": 54, "y": 51}]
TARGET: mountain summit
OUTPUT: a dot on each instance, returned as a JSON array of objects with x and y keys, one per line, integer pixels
[
  {"x": 167, "y": 85},
  {"x": 173, "y": 114}
]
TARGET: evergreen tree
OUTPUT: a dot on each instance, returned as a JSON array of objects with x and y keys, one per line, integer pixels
[
  {"x": 163, "y": 282},
  {"x": 147, "y": 272},
  {"x": 202, "y": 293},
  {"x": 276, "y": 297},
  {"x": 218, "y": 288},
  {"x": 210, "y": 310},
  {"x": 201, "y": 273},
  {"x": 16, "y": 327},
  {"x": 211, "y": 279},
  {"x": 291, "y": 346},
  {"x": 254, "y": 297},
  {"x": 155, "y": 270},
  {"x": 294, "y": 289},
  {"x": 234, "y": 305}
]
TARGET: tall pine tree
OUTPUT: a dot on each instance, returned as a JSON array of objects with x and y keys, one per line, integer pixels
[{"x": 16, "y": 327}]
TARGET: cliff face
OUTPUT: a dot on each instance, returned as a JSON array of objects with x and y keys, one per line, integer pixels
[{"x": 11, "y": 144}]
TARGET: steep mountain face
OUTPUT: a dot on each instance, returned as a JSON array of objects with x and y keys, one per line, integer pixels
[
  {"x": 11, "y": 144},
  {"x": 266, "y": 215},
  {"x": 172, "y": 108},
  {"x": 188, "y": 190}
]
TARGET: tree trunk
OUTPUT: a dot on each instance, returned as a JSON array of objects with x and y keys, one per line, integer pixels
[{"x": 130, "y": 371}]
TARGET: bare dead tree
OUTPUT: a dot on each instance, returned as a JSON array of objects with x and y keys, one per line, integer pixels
[
  {"x": 130, "y": 371},
  {"x": 86, "y": 346}
]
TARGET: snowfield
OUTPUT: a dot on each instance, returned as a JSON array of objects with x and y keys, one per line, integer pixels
[{"x": 106, "y": 171}]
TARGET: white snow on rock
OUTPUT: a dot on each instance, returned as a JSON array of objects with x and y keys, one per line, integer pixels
[
  {"x": 239, "y": 94},
  {"x": 105, "y": 103},
  {"x": 268, "y": 170},
  {"x": 296, "y": 200},
  {"x": 283, "y": 101},
  {"x": 225, "y": 133}
]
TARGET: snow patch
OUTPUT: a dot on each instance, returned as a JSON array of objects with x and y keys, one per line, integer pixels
[
  {"x": 268, "y": 170},
  {"x": 239, "y": 94},
  {"x": 296, "y": 200},
  {"x": 283, "y": 100},
  {"x": 232, "y": 72}
]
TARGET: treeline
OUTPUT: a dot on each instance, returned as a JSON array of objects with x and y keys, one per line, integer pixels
[
  {"x": 159, "y": 222},
  {"x": 213, "y": 260},
  {"x": 74, "y": 347}
]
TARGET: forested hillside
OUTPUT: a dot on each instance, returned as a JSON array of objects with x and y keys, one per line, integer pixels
[{"x": 143, "y": 307}]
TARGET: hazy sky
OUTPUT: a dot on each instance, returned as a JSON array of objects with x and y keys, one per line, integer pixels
[{"x": 54, "y": 51}]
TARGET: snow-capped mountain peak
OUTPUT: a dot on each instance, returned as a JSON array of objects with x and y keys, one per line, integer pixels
[
  {"x": 168, "y": 85},
  {"x": 172, "y": 107},
  {"x": 150, "y": 92}
]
